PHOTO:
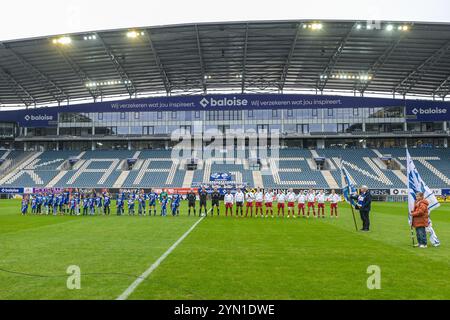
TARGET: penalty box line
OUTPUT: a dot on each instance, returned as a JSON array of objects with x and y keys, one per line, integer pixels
[{"x": 155, "y": 265}]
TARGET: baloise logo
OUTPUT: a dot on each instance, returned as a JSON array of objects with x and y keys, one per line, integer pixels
[
  {"x": 223, "y": 102},
  {"x": 40, "y": 117},
  {"x": 428, "y": 111}
]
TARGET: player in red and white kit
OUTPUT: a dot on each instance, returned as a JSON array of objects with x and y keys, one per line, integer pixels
[
  {"x": 334, "y": 199},
  {"x": 239, "y": 198},
  {"x": 268, "y": 202},
  {"x": 249, "y": 199},
  {"x": 311, "y": 199},
  {"x": 281, "y": 198},
  {"x": 321, "y": 203},
  {"x": 259, "y": 197},
  {"x": 301, "y": 199},
  {"x": 229, "y": 201},
  {"x": 291, "y": 197}
]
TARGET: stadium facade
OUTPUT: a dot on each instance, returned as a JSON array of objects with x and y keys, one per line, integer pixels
[{"x": 260, "y": 134}]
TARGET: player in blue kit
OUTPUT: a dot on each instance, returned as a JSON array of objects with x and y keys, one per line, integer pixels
[
  {"x": 38, "y": 203},
  {"x": 33, "y": 205},
  {"x": 91, "y": 205},
  {"x": 152, "y": 198},
  {"x": 141, "y": 204},
  {"x": 72, "y": 206},
  {"x": 85, "y": 205},
  {"x": 25, "y": 203},
  {"x": 106, "y": 204},
  {"x": 66, "y": 197},
  {"x": 131, "y": 206},
  {"x": 175, "y": 204},
  {"x": 164, "y": 200},
  {"x": 119, "y": 204},
  {"x": 61, "y": 202},
  {"x": 98, "y": 204},
  {"x": 55, "y": 205}
]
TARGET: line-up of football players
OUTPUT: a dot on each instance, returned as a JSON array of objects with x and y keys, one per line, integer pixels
[
  {"x": 260, "y": 201},
  {"x": 263, "y": 203}
]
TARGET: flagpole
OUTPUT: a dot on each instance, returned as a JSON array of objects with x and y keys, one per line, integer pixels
[
  {"x": 412, "y": 236},
  {"x": 354, "y": 218},
  {"x": 349, "y": 195}
]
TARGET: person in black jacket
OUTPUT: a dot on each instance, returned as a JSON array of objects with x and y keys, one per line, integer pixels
[
  {"x": 191, "y": 197},
  {"x": 203, "y": 198},
  {"x": 364, "y": 201},
  {"x": 215, "y": 197}
]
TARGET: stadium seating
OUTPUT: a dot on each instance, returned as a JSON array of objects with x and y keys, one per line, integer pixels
[
  {"x": 282, "y": 169},
  {"x": 433, "y": 164}
]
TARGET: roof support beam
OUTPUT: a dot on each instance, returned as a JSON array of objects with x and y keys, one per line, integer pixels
[
  {"x": 79, "y": 72},
  {"x": 332, "y": 62},
  {"x": 17, "y": 88},
  {"x": 440, "y": 90},
  {"x": 379, "y": 63},
  {"x": 200, "y": 54},
  {"x": 128, "y": 84},
  {"x": 416, "y": 75},
  {"x": 287, "y": 64},
  {"x": 48, "y": 84},
  {"x": 162, "y": 71},
  {"x": 244, "y": 62}
]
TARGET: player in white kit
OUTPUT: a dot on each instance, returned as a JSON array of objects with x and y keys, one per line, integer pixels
[
  {"x": 229, "y": 200},
  {"x": 301, "y": 199},
  {"x": 268, "y": 202},
  {"x": 321, "y": 203},
  {"x": 249, "y": 199},
  {"x": 311, "y": 198},
  {"x": 281, "y": 198},
  {"x": 259, "y": 197},
  {"x": 291, "y": 197},
  {"x": 239, "y": 198},
  {"x": 334, "y": 199}
]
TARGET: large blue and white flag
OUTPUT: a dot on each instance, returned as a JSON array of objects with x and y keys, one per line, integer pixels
[
  {"x": 348, "y": 188},
  {"x": 416, "y": 184}
]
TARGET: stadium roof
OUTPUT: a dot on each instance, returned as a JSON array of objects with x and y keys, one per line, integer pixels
[{"x": 273, "y": 56}]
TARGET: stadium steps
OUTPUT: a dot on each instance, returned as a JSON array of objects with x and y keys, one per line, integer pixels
[
  {"x": 378, "y": 153},
  {"x": 5, "y": 155},
  {"x": 330, "y": 179},
  {"x": 400, "y": 175},
  {"x": 435, "y": 171},
  {"x": 172, "y": 172},
  {"x": 11, "y": 163},
  {"x": 207, "y": 171},
  {"x": 23, "y": 163},
  {"x": 188, "y": 178},
  {"x": 237, "y": 177},
  {"x": 330, "y": 164},
  {"x": 56, "y": 179},
  {"x": 314, "y": 154},
  {"x": 380, "y": 163},
  {"x": 121, "y": 179},
  {"x": 312, "y": 164},
  {"x": 257, "y": 179}
]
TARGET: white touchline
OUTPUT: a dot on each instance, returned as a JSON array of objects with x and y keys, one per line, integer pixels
[{"x": 155, "y": 265}]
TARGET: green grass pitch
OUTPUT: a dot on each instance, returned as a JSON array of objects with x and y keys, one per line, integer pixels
[{"x": 222, "y": 258}]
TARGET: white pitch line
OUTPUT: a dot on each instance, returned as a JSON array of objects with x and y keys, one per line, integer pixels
[{"x": 155, "y": 265}]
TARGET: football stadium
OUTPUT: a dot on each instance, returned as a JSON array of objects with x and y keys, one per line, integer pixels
[{"x": 254, "y": 160}]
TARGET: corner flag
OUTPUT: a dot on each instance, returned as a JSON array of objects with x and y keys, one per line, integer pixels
[{"x": 416, "y": 184}]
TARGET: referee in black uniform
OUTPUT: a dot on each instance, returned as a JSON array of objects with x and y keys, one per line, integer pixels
[
  {"x": 191, "y": 197},
  {"x": 203, "y": 198},
  {"x": 215, "y": 197}
]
